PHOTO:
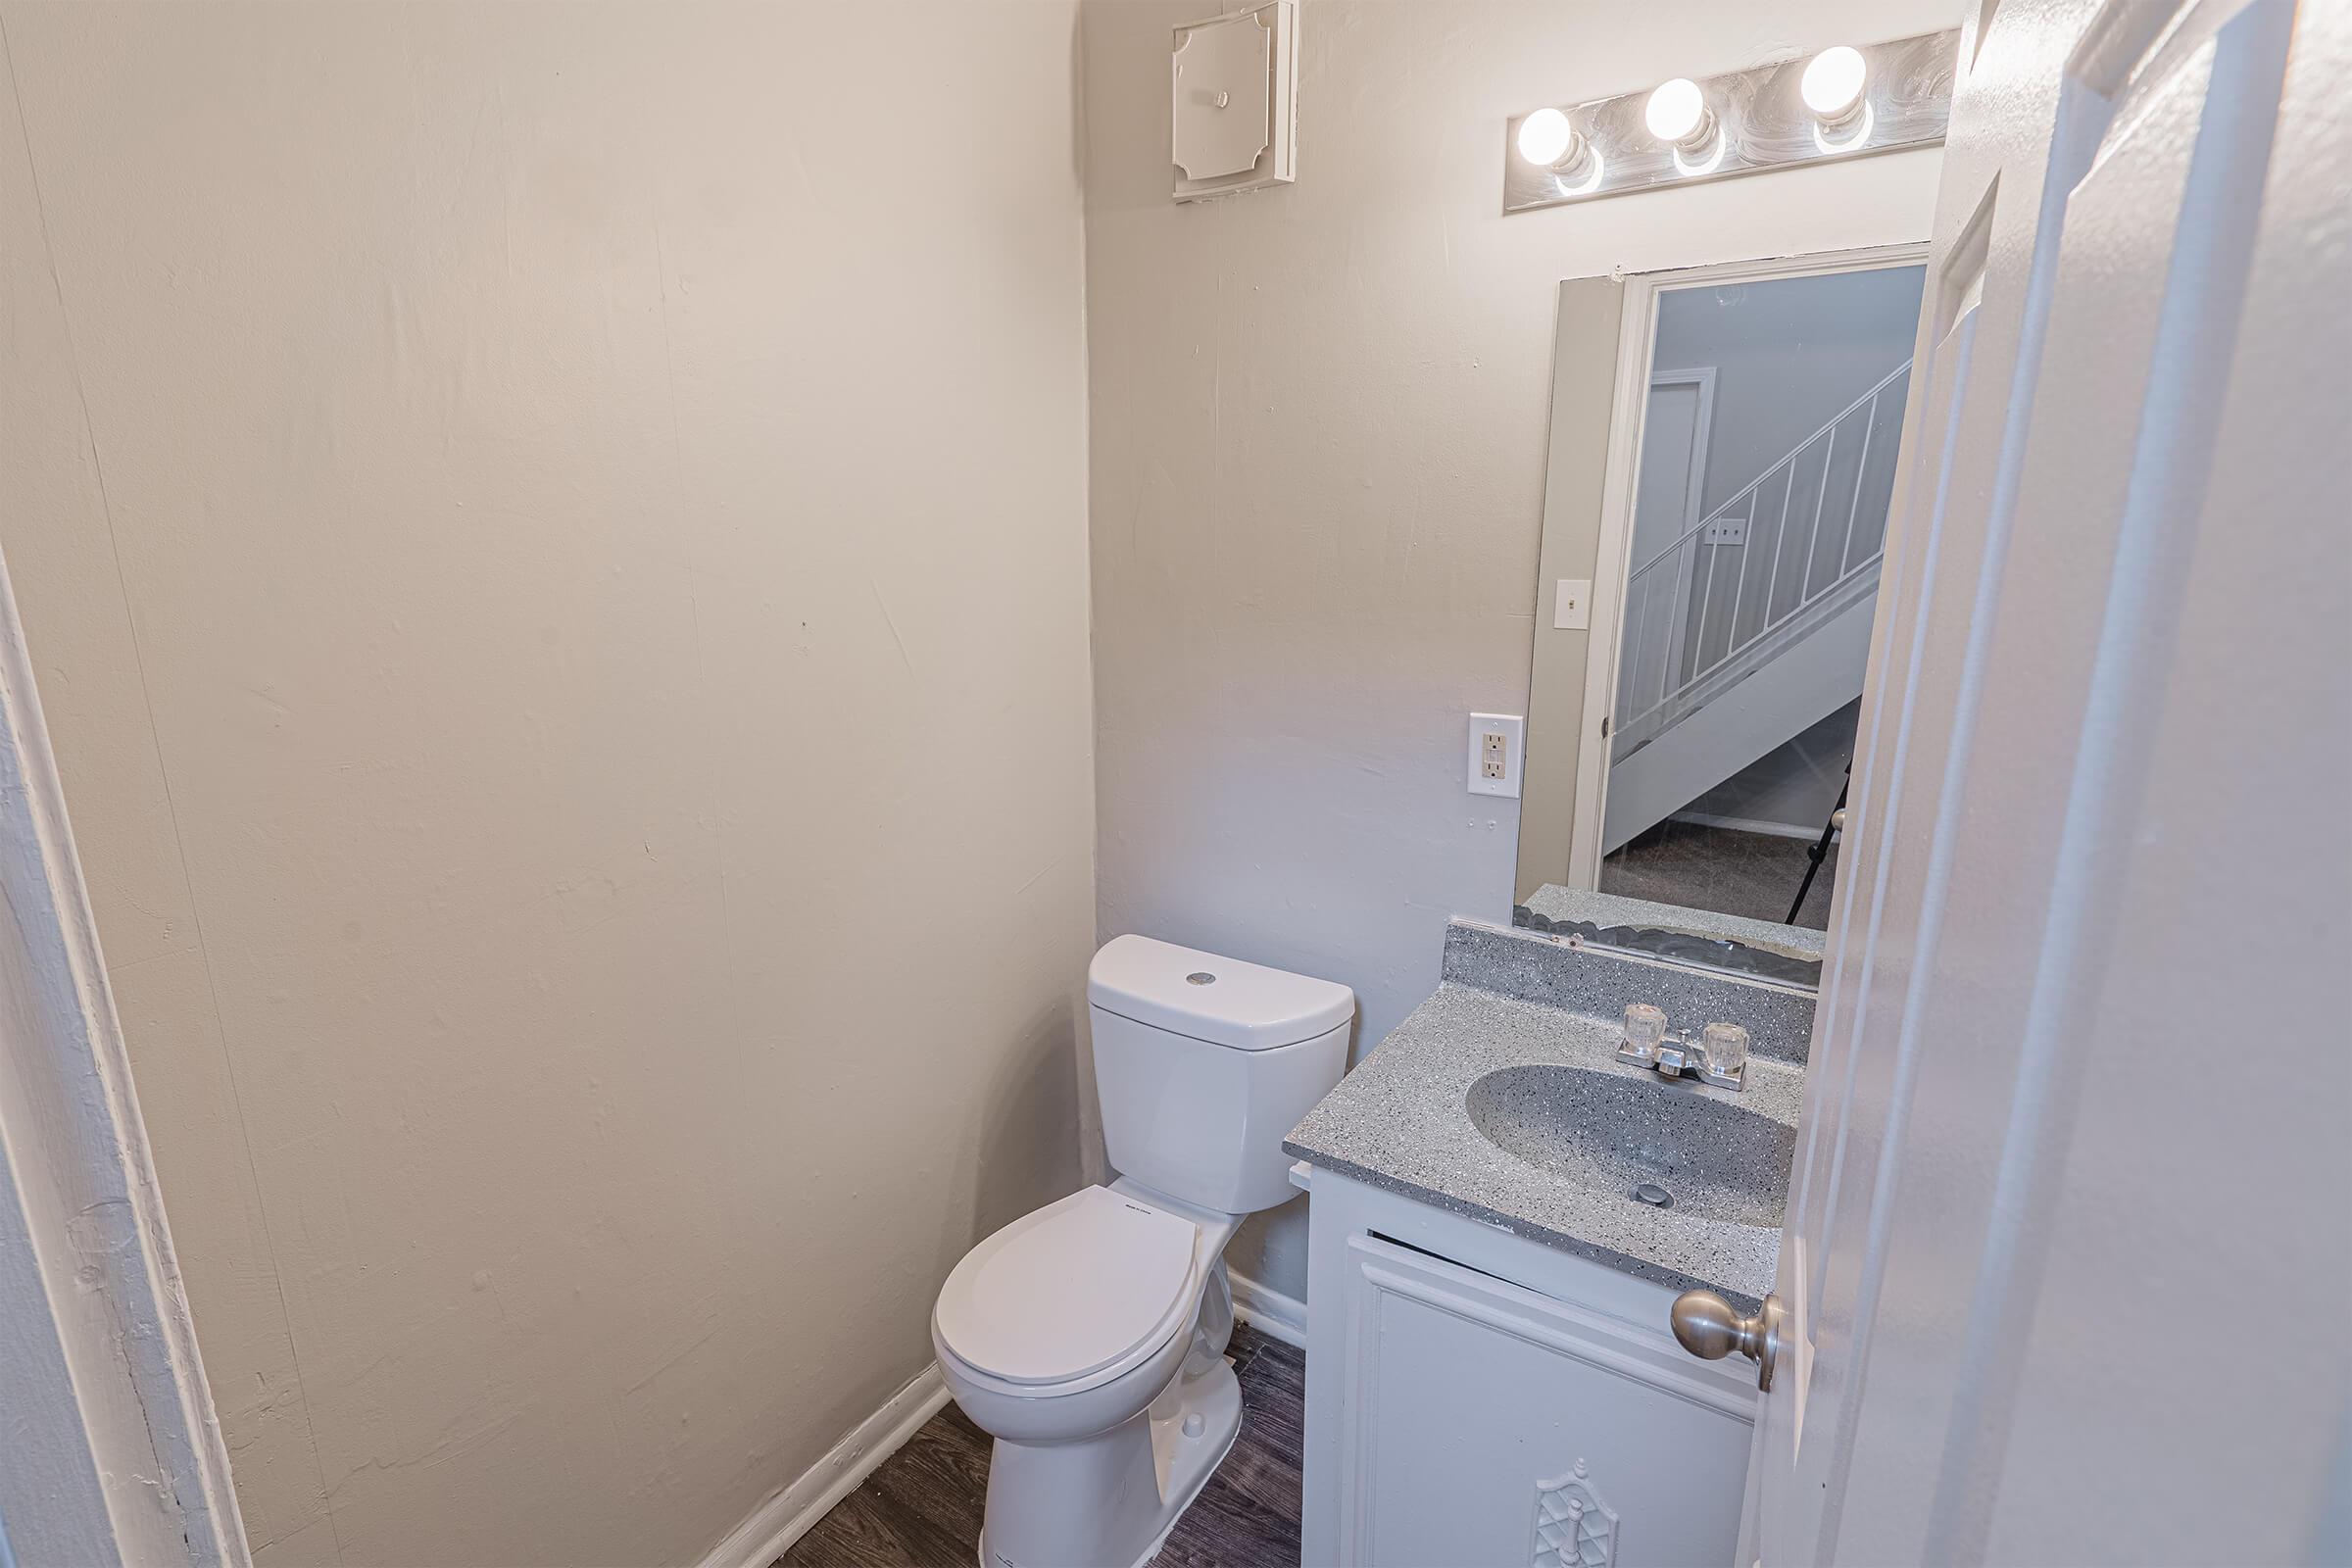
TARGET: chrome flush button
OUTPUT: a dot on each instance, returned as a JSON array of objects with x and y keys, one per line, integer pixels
[{"x": 1199, "y": 977}]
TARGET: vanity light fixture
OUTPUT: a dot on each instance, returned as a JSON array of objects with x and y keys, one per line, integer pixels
[{"x": 1845, "y": 101}]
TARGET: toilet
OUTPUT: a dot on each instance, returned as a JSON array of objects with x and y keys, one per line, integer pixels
[{"x": 1088, "y": 1338}]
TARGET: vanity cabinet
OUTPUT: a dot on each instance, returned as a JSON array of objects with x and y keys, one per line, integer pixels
[{"x": 1478, "y": 1401}]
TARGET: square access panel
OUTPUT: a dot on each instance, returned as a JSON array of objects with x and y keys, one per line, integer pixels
[{"x": 1231, "y": 119}]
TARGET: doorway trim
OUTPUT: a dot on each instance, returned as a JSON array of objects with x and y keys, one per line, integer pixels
[
  {"x": 124, "y": 1459},
  {"x": 1637, "y": 335}
]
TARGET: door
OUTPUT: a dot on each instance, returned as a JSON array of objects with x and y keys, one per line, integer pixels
[
  {"x": 1669, "y": 479},
  {"x": 1674, "y": 457},
  {"x": 2075, "y": 1156}
]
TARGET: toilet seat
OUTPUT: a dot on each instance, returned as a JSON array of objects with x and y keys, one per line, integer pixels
[{"x": 1072, "y": 1296}]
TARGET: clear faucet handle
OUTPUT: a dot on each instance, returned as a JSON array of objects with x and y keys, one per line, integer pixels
[
  {"x": 1644, "y": 1030},
  {"x": 1726, "y": 1045}
]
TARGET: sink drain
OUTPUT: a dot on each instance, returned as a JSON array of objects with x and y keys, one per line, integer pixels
[{"x": 1653, "y": 1195}]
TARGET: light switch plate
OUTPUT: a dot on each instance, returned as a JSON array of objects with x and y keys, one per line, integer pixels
[
  {"x": 1497, "y": 748},
  {"x": 1572, "y": 605}
]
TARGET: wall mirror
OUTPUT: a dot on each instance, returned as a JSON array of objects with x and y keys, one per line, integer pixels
[{"x": 1724, "y": 452}]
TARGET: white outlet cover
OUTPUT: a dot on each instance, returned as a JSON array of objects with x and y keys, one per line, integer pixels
[{"x": 1512, "y": 727}]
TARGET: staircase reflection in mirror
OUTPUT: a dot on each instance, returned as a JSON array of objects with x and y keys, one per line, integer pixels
[{"x": 1759, "y": 482}]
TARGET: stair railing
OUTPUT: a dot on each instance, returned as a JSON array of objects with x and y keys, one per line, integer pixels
[{"x": 1666, "y": 647}]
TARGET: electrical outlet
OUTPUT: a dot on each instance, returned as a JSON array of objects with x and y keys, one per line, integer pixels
[{"x": 1497, "y": 744}]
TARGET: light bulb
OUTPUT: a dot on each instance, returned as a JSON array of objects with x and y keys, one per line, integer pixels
[
  {"x": 1545, "y": 136},
  {"x": 1832, "y": 82},
  {"x": 1677, "y": 112}
]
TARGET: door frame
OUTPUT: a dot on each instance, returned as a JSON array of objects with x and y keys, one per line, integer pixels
[
  {"x": 123, "y": 1456},
  {"x": 1636, "y": 334}
]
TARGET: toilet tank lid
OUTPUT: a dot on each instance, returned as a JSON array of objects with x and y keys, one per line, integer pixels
[{"x": 1223, "y": 1001}]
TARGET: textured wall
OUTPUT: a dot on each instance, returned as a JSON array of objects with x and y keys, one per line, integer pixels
[
  {"x": 1318, "y": 442},
  {"x": 550, "y": 576}
]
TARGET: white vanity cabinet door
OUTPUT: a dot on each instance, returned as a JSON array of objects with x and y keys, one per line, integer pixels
[{"x": 1486, "y": 1425}]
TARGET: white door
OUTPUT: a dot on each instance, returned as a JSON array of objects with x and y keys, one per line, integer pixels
[
  {"x": 2071, "y": 1238},
  {"x": 1669, "y": 479},
  {"x": 1674, "y": 457}
]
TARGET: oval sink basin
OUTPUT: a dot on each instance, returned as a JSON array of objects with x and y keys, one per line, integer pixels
[{"x": 1651, "y": 1143}]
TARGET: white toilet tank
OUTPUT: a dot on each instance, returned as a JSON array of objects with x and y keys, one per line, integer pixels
[{"x": 1203, "y": 1063}]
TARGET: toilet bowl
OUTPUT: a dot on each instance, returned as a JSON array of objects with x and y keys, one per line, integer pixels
[{"x": 1088, "y": 1338}]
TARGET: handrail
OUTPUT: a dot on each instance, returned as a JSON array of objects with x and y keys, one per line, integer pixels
[
  {"x": 1672, "y": 682},
  {"x": 1794, "y": 453}
]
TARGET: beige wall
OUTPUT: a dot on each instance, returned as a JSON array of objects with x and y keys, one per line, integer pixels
[
  {"x": 1318, "y": 445},
  {"x": 559, "y": 587}
]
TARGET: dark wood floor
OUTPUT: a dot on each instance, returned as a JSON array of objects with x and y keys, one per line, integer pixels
[{"x": 921, "y": 1507}]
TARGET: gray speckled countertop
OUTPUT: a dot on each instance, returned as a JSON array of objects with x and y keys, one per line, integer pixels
[
  {"x": 1555, "y": 903},
  {"x": 1402, "y": 1121}
]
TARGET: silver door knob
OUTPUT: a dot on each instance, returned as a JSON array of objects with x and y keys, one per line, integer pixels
[{"x": 1711, "y": 1328}]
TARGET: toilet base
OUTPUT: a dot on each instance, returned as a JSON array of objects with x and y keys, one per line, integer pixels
[{"x": 1109, "y": 1501}]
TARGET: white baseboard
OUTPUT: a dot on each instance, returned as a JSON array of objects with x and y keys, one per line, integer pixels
[
  {"x": 1751, "y": 824},
  {"x": 1275, "y": 1315},
  {"x": 784, "y": 1518}
]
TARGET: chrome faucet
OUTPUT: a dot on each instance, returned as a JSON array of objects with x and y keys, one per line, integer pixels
[{"x": 1717, "y": 1056}]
